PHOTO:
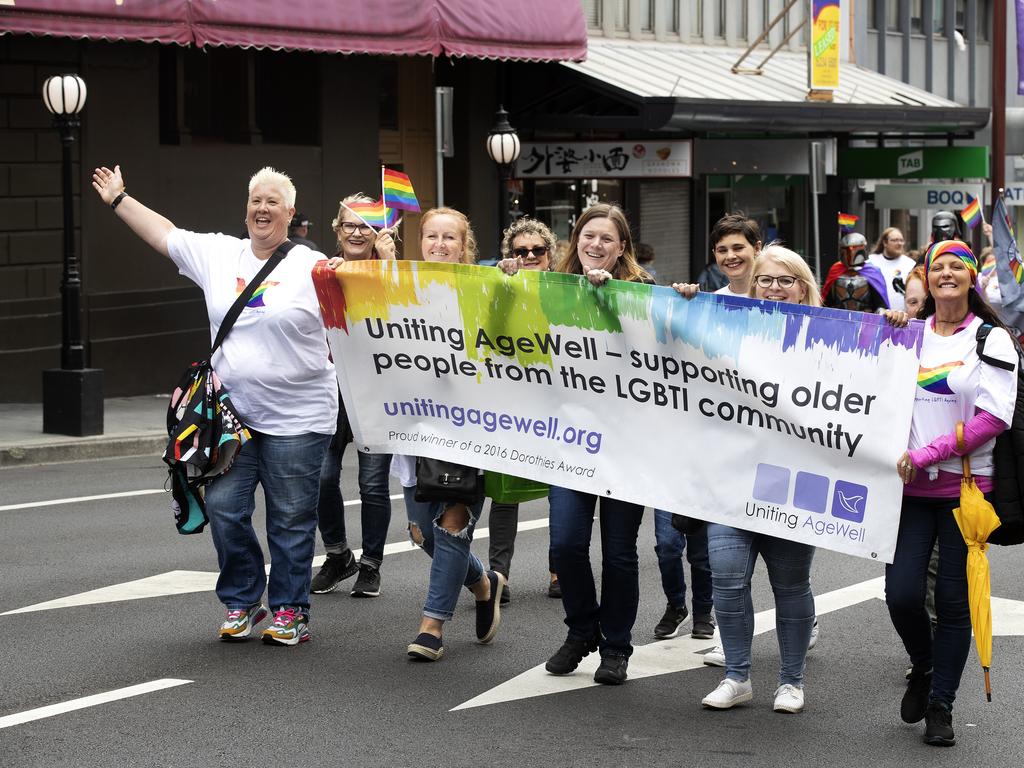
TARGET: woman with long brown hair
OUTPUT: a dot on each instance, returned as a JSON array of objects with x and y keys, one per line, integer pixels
[{"x": 601, "y": 249}]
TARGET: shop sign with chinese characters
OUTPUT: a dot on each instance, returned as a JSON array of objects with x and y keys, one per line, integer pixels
[{"x": 605, "y": 159}]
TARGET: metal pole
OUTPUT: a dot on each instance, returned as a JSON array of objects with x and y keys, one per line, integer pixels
[
  {"x": 439, "y": 143},
  {"x": 72, "y": 351},
  {"x": 998, "y": 97}
]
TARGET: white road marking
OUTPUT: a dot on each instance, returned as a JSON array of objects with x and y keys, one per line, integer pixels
[
  {"x": 659, "y": 658},
  {"x": 186, "y": 582},
  {"x": 77, "y": 499},
  {"x": 120, "y": 495},
  {"x": 684, "y": 653},
  {"x": 89, "y": 701}
]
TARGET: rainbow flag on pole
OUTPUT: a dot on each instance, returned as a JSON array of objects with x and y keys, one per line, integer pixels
[
  {"x": 971, "y": 214},
  {"x": 374, "y": 214},
  {"x": 397, "y": 191},
  {"x": 847, "y": 221}
]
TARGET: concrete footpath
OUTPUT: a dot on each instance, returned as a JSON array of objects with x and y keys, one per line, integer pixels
[{"x": 132, "y": 426}]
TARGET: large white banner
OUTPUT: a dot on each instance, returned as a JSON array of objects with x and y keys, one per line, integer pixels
[{"x": 772, "y": 417}]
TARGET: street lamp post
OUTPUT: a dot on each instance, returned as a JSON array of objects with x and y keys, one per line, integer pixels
[
  {"x": 72, "y": 394},
  {"x": 503, "y": 148}
]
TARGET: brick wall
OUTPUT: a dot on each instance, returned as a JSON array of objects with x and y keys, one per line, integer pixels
[{"x": 30, "y": 165}]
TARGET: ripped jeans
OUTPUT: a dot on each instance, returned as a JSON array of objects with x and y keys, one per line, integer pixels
[{"x": 452, "y": 565}]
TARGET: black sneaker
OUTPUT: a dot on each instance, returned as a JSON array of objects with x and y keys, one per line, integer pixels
[
  {"x": 669, "y": 624},
  {"x": 367, "y": 583},
  {"x": 336, "y": 568},
  {"x": 569, "y": 656},
  {"x": 506, "y": 595},
  {"x": 938, "y": 726},
  {"x": 703, "y": 627},
  {"x": 425, "y": 647},
  {"x": 488, "y": 612},
  {"x": 612, "y": 670},
  {"x": 915, "y": 699},
  {"x": 555, "y": 589}
]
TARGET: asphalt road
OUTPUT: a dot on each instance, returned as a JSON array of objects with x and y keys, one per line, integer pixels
[{"x": 351, "y": 697}]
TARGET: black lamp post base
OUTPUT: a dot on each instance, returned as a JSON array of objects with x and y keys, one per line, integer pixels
[{"x": 73, "y": 402}]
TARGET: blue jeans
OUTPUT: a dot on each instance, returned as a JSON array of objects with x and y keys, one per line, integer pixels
[
  {"x": 921, "y": 523},
  {"x": 733, "y": 553},
  {"x": 669, "y": 545},
  {"x": 572, "y": 523},
  {"x": 288, "y": 468},
  {"x": 452, "y": 565},
  {"x": 376, "y": 504}
]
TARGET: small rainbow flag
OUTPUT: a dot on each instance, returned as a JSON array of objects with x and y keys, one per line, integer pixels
[
  {"x": 398, "y": 191},
  {"x": 373, "y": 214},
  {"x": 847, "y": 221},
  {"x": 971, "y": 214}
]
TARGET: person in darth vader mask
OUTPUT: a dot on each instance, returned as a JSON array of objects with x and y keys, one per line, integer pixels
[
  {"x": 853, "y": 283},
  {"x": 945, "y": 226}
]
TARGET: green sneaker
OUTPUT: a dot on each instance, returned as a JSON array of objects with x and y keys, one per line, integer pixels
[
  {"x": 240, "y": 623},
  {"x": 290, "y": 627}
]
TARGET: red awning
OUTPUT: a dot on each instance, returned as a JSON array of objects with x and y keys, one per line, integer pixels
[{"x": 539, "y": 30}]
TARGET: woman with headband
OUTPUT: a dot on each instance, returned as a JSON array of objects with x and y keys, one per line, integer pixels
[{"x": 953, "y": 385}]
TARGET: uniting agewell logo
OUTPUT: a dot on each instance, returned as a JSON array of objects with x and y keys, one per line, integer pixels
[{"x": 847, "y": 501}]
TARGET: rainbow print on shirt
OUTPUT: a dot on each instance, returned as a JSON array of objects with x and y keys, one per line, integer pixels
[
  {"x": 257, "y": 296},
  {"x": 936, "y": 380}
]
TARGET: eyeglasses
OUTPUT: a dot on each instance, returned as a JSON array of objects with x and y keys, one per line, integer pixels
[
  {"x": 348, "y": 227},
  {"x": 537, "y": 250},
  {"x": 784, "y": 281}
]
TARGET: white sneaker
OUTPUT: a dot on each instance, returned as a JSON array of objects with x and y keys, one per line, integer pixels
[
  {"x": 715, "y": 657},
  {"x": 789, "y": 698},
  {"x": 814, "y": 635},
  {"x": 728, "y": 694}
]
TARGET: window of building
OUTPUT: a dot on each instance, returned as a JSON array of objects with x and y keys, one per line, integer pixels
[
  {"x": 963, "y": 13},
  {"x": 720, "y": 20},
  {"x": 622, "y": 15},
  {"x": 696, "y": 19},
  {"x": 232, "y": 96},
  {"x": 592, "y": 10},
  {"x": 892, "y": 16},
  {"x": 673, "y": 16},
  {"x": 939, "y": 17},
  {"x": 646, "y": 15},
  {"x": 744, "y": 10},
  {"x": 917, "y": 16}
]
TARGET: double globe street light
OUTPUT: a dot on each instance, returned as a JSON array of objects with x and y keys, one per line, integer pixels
[{"x": 73, "y": 393}]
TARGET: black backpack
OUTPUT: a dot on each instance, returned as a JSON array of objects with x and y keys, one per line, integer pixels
[{"x": 1008, "y": 457}]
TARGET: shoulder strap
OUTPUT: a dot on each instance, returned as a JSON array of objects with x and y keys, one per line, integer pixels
[
  {"x": 250, "y": 289},
  {"x": 983, "y": 331}
]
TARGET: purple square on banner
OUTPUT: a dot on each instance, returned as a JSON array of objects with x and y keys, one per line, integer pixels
[
  {"x": 849, "y": 501},
  {"x": 771, "y": 484},
  {"x": 811, "y": 492}
]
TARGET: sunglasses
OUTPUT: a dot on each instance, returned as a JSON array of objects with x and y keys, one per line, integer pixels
[
  {"x": 784, "y": 281},
  {"x": 537, "y": 250}
]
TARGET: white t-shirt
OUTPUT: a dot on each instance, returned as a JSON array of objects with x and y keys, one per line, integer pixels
[
  {"x": 274, "y": 360},
  {"x": 726, "y": 290},
  {"x": 952, "y": 381},
  {"x": 890, "y": 268}
]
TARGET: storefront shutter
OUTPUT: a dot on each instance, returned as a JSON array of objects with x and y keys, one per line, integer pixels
[{"x": 665, "y": 226}]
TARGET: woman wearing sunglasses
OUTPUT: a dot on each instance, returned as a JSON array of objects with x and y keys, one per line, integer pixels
[
  {"x": 779, "y": 274},
  {"x": 527, "y": 244}
]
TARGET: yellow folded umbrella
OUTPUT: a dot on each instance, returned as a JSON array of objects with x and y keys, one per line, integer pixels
[{"x": 977, "y": 519}]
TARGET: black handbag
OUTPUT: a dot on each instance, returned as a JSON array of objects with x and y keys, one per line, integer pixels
[
  {"x": 438, "y": 480},
  {"x": 204, "y": 431}
]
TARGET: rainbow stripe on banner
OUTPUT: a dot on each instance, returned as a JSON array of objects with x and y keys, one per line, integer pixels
[
  {"x": 971, "y": 214},
  {"x": 375, "y": 214},
  {"x": 847, "y": 221},
  {"x": 398, "y": 192}
]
